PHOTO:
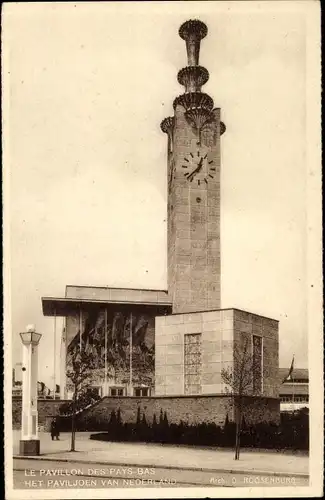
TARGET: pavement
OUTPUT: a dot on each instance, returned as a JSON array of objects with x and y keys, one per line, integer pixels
[{"x": 166, "y": 456}]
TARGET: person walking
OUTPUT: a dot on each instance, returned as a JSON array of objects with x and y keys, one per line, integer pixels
[{"x": 55, "y": 433}]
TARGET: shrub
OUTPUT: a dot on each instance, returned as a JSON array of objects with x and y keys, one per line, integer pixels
[{"x": 292, "y": 433}]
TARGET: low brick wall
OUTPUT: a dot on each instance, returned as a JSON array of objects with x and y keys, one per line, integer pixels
[
  {"x": 189, "y": 409},
  {"x": 47, "y": 408},
  {"x": 262, "y": 410}
]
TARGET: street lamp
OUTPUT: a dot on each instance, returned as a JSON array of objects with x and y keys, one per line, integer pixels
[{"x": 29, "y": 443}]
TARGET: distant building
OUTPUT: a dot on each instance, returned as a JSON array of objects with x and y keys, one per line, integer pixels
[
  {"x": 43, "y": 392},
  {"x": 17, "y": 380},
  {"x": 17, "y": 391},
  {"x": 294, "y": 392}
]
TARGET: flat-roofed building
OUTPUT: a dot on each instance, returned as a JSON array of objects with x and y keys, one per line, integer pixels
[
  {"x": 101, "y": 319},
  {"x": 294, "y": 391}
]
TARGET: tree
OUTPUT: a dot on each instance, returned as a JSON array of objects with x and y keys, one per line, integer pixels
[
  {"x": 80, "y": 373},
  {"x": 240, "y": 382}
]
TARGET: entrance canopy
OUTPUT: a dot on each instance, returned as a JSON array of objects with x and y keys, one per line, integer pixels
[{"x": 156, "y": 300}]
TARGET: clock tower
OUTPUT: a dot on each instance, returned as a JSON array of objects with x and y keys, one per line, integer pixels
[
  {"x": 193, "y": 186},
  {"x": 199, "y": 340}
]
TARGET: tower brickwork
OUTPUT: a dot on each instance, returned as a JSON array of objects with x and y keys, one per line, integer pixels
[{"x": 193, "y": 186}]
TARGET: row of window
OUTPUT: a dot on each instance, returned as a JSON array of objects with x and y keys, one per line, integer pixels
[
  {"x": 296, "y": 381},
  {"x": 140, "y": 392},
  {"x": 294, "y": 399}
]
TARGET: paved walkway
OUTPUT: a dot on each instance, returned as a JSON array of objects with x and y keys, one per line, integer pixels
[{"x": 161, "y": 455}]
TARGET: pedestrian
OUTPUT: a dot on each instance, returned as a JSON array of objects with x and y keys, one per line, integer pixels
[{"x": 55, "y": 433}]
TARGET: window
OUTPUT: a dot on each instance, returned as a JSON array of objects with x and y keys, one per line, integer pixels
[
  {"x": 192, "y": 363},
  {"x": 141, "y": 392},
  {"x": 257, "y": 365},
  {"x": 116, "y": 391},
  {"x": 95, "y": 390}
]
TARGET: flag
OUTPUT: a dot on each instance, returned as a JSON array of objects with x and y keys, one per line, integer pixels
[{"x": 289, "y": 376}]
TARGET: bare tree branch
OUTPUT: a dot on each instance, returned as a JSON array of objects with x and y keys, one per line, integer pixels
[{"x": 239, "y": 381}]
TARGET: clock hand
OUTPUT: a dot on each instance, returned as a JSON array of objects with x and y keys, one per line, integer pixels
[{"x": 197, "y": 169}]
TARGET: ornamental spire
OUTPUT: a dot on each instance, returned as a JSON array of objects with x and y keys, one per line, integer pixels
[
  {"x": 193, "y": 76},
  {"x": 192, "y": 32},
  {"x": 198, "y": 105}
]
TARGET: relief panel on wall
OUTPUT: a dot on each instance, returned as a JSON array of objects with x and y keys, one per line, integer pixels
[
  {"x": 257, "y": 365},
  {"x": 192, "y": 363}
]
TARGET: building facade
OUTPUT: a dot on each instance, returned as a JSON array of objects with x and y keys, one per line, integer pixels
[
  {"x": 178, "y": 342},
  {"x": 193, "y": 349},
  {"x": 118, "y": 327}
]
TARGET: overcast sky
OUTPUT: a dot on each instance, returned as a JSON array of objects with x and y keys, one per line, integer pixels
[{"x": 89, "y": 86}]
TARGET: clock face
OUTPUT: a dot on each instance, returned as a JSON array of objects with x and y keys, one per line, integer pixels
[{"x": 198, "y": 168}]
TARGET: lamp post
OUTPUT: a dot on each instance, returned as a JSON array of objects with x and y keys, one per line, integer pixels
[{"x": 29, "y": 443}]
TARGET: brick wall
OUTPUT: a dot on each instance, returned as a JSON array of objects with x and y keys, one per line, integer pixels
[
  {"x": 189, "y": 409},
  {"x": 47, "y": 408},
  {"x": 262, "y": 410}
]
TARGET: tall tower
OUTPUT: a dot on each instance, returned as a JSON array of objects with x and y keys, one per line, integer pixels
[
  {"x": 193, "y": 185},
  {"x": 199, "y": 340}
]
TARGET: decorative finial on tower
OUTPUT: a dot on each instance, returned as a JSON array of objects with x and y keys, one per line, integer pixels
[
  {"x": 192, "y": 32},
  {"x": 193, "y": 77},
  {"x": 197, "y": 105},
  {"x": 167, "y": 126}
]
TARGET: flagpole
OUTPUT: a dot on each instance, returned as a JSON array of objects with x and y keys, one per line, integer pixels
[
  {"x": 54, "y": 362},
  {"x": 131, "y": 346},
  {"x": 293, "y": 386},
  {"x": 105, "y": 376},
  {"x": 80, "y": 328}
]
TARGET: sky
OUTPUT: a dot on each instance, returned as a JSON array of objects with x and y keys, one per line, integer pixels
[{"x": 88, "y": 85}]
